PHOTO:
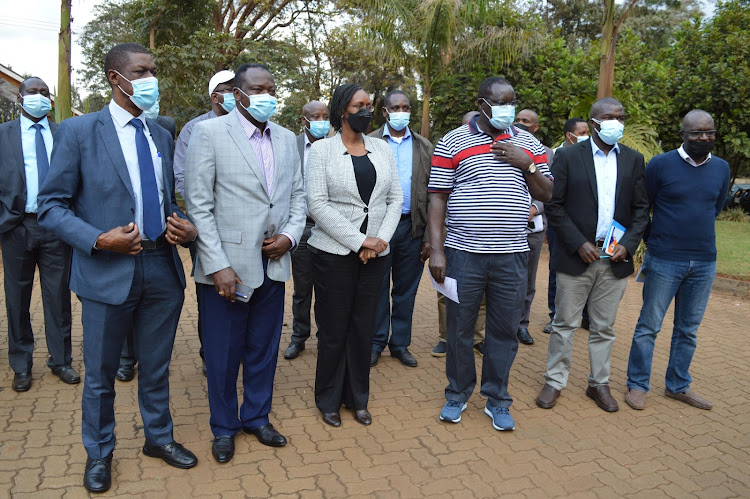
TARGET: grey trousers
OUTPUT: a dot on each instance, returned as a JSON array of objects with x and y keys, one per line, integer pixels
[
  {"x": 536, "y": 240},
  {"x": 603, "y": 291}
]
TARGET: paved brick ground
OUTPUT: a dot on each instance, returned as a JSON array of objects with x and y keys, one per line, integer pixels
[{"x": 575, "y": 449}]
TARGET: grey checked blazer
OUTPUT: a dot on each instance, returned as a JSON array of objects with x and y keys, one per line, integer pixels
[
  {"x": 228, "y": 201},
  {"x": 334, "y": 201}
]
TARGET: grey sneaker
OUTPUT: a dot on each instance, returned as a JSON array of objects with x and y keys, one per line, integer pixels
[
  {"x": 440, "y": 350},
  {"x": 452, "y": 411}
]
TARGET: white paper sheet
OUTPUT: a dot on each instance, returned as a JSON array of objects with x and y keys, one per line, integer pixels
[{"x": 449, "y": 288}]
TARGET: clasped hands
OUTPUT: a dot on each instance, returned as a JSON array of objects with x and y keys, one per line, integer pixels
[
  {"x": 589, "y": 253},
  {"x": 371, "y": 248},
  {"x": 127, "y": 239}
]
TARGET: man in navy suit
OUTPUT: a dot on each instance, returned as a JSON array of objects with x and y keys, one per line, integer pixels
[
  {"x": 26, "y": 144},
  {"x": 110, "y": 195}
]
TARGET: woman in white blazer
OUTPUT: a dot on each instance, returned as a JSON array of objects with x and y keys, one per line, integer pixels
[{"x": 354, "y": 195}]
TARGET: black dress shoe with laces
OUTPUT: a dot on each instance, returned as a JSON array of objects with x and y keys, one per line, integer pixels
[
  {"x": 223, "y": 448},
  {"x": 125, "y": 373},
  {"x": 405, "y": 357},
  {"x": 98, "y": 475},
  {"x": 22, "y": 382},
  {"x": 172, "y": 453},
  {"x": 293, "y": 350},
  {"x": 267, "y": 435},
  {"x": 67, "y": 375}
]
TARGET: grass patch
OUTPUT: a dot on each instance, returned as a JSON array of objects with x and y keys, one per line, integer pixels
[{"x": 733, "y": 247}]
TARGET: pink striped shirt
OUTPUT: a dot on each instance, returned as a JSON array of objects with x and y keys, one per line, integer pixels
[{"x": 263, "y": 148}]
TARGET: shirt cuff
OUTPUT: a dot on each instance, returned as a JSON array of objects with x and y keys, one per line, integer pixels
[{"x": 294, "y": 241}]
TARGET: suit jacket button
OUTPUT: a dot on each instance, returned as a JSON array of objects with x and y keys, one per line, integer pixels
[
  {"x": 365, "y": 209},
  {"x": 132, "y": 210},
  {"x": 271, "y": 205}
]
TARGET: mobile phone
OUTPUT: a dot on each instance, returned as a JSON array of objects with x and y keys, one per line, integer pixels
[{"x": 242, "y": 292}]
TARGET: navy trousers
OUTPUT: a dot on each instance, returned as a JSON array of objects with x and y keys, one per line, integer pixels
[
  {"x": 244, "y": 334},
  {"x": 151, "y": 312}
]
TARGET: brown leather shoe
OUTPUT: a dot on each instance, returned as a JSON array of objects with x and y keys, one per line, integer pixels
[
  {"x": 690, "y": 398},
  {"x": 547, "y": 398},
  {"x": 603, "y": 398},
  {"x": 636, "y": 399}
]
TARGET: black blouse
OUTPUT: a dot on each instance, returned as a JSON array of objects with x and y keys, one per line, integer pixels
[{"x": 366, "y": 177}]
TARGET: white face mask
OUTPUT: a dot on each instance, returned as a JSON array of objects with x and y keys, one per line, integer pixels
[{"x": 582, "y": 138}]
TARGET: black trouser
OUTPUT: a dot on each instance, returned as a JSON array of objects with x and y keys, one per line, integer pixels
[
  {"x": 26, "y": 246},
  {"x": 302, "y": 274},
  {"x": 346, "y": 293}
]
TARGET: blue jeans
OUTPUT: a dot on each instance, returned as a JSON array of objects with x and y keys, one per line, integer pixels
[
  {"x": 403, "y": 265},
  {"x": 689, "y": 283}
]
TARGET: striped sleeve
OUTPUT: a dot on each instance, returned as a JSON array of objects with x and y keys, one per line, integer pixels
[{"x": 443, "y": 169}]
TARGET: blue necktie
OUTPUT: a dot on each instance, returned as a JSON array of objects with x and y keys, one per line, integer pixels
[
  {"x": 42, "y": 161},
  {"x": 149, "y": 189}
]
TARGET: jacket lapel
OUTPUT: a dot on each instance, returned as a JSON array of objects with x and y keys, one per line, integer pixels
[
  {"x": 243, "y": 144},
  {"x": 620, "y": 173},
  {"x": 163, "y": 149},
  {"x": 301, "y": 149},
  {"x": 279, "y": 155},
  {"x": 112, "y": 143},
  {"x": 587, "y": 156},
  {"x": 17, "y": 149}
]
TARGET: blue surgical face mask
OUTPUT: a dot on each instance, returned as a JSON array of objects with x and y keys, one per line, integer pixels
[
  {"x": 398, "y": 121},
  {"x": 318, "y": 129},
  {"x": 36, "y": 105},
  {"x": 153, "y": 112},
  {"x": 229, "y": 103},
  {"x": 610, "y": 130},
  {"x": 582, "y": 138},
  {"x": 502, "y": 116},
  {"x": 262, "y": 106},
  {"x": 145, "y": 91}
]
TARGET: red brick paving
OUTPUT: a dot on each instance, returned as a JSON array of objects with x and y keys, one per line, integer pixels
[{"x": 575, "y": 449}]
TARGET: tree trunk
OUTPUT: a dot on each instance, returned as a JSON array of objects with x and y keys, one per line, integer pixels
[
  {"x": 151, "y": 36},
  {"x": 62, "y": 99},
  {"x": 607, "y": 54},
  {"x": 425, "y": 131}
]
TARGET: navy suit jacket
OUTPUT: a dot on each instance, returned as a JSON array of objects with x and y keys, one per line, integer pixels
[
  {"x": 13, "y": 174},
  {"x": 88, "y": 192}
]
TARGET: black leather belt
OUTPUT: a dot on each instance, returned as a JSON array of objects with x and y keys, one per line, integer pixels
[
  {"x": 600, "y": 243},
  {"x": 29, "y": 215},
  {"x": 405, "y": 216},
  {"x": 149, "y": 245}
]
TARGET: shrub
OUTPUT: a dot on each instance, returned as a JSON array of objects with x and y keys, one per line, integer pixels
[{"x": 734, "y": 215}]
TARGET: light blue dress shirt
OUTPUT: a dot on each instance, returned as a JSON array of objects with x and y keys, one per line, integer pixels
[
  {"x": 605, "y": 167},
  {"x": 126, "y": 134},
  {"x": 403, "y": 152},
  {"x": 28, "y": 143}
]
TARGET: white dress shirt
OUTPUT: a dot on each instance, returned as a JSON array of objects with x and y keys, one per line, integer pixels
[
  {"x": 605, "y": 166},
  {"x": 28, "y": 144},
  {"x": 689, "y": 160},
  {"x": 126, "y": 134}
]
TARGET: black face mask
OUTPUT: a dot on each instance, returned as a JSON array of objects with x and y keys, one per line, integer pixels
[
  {"x": 699, "y": 148},
  {"x": 360, "y": 121},
  {"x": 521, "y": 126}
]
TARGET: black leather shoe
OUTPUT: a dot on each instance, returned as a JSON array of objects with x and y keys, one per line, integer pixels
[
  {"x": 363, "y": 417},
  {"x": 524, "y": 336},
  {"x": 22, "y": 382},
  {"x": 267, "y": 435},
  {"x": 293, "y": 350},
  {"x": 374, "y": 357},
  {"x": 223, "y": 448},
  {"x": 332, "y": 418},
  {"x": 405, "y": 357},
  {"x": 172, "y": 453},
  {"x": 67, "y": 375},
  {"x": 98, "y": 475},
  {"x": 125, "y": 373}
]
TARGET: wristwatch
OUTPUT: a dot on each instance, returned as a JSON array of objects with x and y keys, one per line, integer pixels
[{"x": 531, "y": 169}]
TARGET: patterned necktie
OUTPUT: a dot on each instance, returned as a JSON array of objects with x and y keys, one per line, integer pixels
[
  {"x": 42, "y": 161},
  {"x": 149, "y": 189}
]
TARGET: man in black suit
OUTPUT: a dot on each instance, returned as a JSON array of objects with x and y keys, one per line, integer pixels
[
  {"x": 596, "y": 182},
  {"x": 25, "y": 146}
]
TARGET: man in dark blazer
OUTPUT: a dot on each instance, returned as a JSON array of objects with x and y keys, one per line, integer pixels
[
  {"x": 410, "y": 245},
  {"x": 110, "y": 195},
  {"x": 26, "y": 144},
  {"x": 596, "y": 182},
  {"x": 315, "y": 126}
]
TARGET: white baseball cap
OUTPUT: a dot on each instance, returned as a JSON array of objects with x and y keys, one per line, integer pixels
[{"x": 219, "y": 78}]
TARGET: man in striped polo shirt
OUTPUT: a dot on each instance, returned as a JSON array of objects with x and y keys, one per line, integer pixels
[{"x": 483, "y": 176}]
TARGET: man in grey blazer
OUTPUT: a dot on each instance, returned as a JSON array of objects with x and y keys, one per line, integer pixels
[
  {"x": 26, "y": 144},
  {"x": 315, "y": 126},
  {"x": 110, "y": 195},
  {"x": 244, "y": 192}
]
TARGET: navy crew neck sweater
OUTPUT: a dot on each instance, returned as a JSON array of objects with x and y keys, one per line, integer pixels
[{"x": 686, "y": 200}]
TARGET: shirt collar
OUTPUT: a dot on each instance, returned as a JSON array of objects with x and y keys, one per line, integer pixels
[
  {"x": 474, "y": 129},
  {"x": 248, "y": 125},
  {"x": 27, "y": 123},
  {"x": 121, "y": 116},
  {"x": 595, "y": 148},
  {"x": 688, "y": 159},
  {"x": 387, "y": 132},
  {"x": 307, "y": 139}
]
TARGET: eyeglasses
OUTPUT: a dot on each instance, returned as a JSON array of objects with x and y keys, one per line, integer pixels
[
  {"x": 490, "y": 103},
  {"x": 360, "y": 106},
  {"x": 697, "y": 134}
]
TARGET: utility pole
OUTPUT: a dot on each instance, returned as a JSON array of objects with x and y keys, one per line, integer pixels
[{"x": 63, "y": 108}]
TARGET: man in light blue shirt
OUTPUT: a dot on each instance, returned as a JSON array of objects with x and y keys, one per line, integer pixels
[
  {"x": 409, "y": 246},
  {"x": 26, "y": 145}
]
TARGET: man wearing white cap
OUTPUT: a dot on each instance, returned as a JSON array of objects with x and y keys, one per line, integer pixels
[{"x": 222, "y": 102}]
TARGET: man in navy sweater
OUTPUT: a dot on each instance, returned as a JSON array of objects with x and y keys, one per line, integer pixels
[{"x": 686, "y": 189}]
